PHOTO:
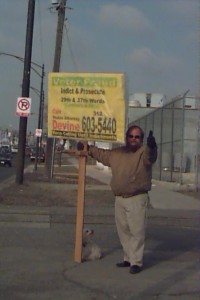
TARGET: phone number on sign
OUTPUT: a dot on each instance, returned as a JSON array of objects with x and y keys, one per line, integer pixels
[{"x": 100, "y": 125}]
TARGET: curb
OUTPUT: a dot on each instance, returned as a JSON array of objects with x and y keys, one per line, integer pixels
[{"x": 35, "y": 217}]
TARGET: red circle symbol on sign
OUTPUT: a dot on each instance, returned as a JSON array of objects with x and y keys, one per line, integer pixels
[{"x": 23, "y": 104}]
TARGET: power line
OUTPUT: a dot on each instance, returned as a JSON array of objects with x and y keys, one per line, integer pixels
[{"x": 70, "y": 49}]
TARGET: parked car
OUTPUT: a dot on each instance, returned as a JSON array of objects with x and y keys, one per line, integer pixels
[
  {"x": 27, "y": 151},
  {"x": 41, "y": 154},
  {"x": 14, "y": 149},
  {"x": 5, "y": 149},
  {"x": 5, "y": 159}
]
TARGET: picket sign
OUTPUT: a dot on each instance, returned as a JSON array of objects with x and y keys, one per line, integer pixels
[{"x": 89, "y": 107}]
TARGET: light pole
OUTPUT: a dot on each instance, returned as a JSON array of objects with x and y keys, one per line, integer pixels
[
  {"x": 41, "y": 94},
  {"x": 22, "y": 60},
  {"x": 40, "y": 120}
]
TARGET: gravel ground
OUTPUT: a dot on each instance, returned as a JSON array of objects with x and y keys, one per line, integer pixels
[{"x": 37, "y": 190}]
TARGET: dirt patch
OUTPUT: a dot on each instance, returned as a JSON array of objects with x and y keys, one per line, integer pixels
[{"x": 38, "y": 191}]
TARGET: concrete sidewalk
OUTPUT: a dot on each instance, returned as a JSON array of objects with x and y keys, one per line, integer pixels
[
  {"x": 37, "y": 252},
  {"x": 161, "y": 196},
  {"x": 38, "y": 263}
]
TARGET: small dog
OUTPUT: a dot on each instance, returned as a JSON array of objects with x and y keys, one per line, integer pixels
[{"x": 90, "y": 250}]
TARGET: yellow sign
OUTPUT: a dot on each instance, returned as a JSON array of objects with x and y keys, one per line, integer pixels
[{"x": 86, "y": 106}]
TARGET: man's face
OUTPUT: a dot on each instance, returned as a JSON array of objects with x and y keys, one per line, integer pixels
[{"x": 134, "y": 139}]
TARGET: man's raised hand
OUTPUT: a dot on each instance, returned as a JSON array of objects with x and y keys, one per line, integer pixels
[{"x": 151, "y": 142}]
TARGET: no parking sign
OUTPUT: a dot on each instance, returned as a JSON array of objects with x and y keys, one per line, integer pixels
[
  {"x": 23, "y": 106},
  {"x": 38, "y": 132}
]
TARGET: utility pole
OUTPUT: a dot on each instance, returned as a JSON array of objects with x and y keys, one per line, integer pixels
[
  {"x": 25, "y": 92},
  {"x": 61, "y": 7},
  {"x": 40, "y": 120}
]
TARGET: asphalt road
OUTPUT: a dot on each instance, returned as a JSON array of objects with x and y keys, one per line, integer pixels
[{"x": 7, "y": 172}]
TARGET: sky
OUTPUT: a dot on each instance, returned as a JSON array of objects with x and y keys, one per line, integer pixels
[{"x": 154, "y": 42}]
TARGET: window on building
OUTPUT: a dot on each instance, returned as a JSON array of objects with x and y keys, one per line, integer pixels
[{"x": 148, "y": 100}]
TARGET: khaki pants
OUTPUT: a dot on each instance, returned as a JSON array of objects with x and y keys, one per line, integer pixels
[{"x": 130, "y": 218}]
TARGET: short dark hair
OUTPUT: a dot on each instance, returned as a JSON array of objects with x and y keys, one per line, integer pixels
[{"x": 134, "y": 127}]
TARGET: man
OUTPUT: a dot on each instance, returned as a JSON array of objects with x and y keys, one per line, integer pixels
[{"x": 131, "y": 167}]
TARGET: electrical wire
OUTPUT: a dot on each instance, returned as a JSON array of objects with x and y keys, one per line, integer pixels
[{"x": 70, "y": 49}]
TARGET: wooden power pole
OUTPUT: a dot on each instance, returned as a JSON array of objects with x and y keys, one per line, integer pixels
[{"x": 56, "y": 67}]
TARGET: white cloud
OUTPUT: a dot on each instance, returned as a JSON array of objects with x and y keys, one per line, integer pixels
[
  {"x": 146, "y": 59},
  {"x": 125, "y": 17}
]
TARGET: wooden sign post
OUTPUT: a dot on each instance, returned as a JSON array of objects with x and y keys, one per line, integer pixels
[{"x": 80, "y": 208}]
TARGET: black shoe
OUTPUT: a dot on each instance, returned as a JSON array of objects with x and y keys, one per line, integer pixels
[
  {"x": 135, "y": 269},
  {"x": 123, "y": 264}
]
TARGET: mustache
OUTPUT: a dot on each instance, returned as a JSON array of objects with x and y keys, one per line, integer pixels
[{"x": 132, "y": 147}]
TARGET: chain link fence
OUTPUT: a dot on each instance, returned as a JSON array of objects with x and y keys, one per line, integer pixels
[{"x": 176, "y": 127}]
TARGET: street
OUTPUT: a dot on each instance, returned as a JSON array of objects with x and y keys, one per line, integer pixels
[
  {"x": 38, "y": 233},
  {"x": 7, "y": 172}
]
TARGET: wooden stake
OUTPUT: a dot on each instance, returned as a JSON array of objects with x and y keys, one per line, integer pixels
[{"x": 80, "y": 209}]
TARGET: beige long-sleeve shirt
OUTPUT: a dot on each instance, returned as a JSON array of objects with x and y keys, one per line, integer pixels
[{"x": 131, "y": 171}]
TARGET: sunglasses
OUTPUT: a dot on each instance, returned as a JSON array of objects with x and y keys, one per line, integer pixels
[{"x": 134, "y": 136}]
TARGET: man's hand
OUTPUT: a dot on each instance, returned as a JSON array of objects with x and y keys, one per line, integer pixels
[
  {"x": 151, "y": 142},
  {"x": 80, "y": 146}
]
